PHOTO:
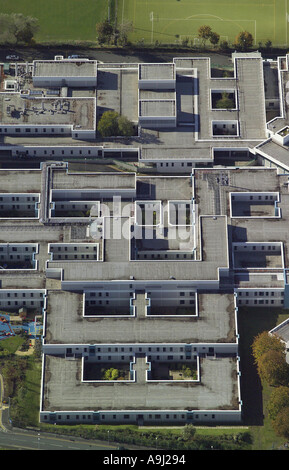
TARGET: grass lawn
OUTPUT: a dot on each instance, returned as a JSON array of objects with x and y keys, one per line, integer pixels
[
  {"x": 61, "y": 20},
  {"x": 31, "y": 401},
  {"x": 25, "y": 406},
  {"x": 170, "y": 21},
  {"x": 166, "y": 21},
  {"x": 11, "y": 344},
  {"x": 254, "y": 394}
]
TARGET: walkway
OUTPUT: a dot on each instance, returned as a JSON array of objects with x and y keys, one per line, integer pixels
[{"x": 2, "y": 406}]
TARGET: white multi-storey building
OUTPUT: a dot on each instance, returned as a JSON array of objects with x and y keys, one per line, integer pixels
[{"x": 143, "y": 273}]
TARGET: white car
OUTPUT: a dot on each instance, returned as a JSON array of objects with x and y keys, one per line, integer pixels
[{"x": 12, "y": 57}]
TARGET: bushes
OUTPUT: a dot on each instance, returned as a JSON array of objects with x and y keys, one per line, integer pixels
[{"x": 159, "y": 440}]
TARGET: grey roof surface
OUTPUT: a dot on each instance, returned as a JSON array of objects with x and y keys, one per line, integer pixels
[
  {"x": 216, "y": 391},
  {"x": 214, "y": 255},
  {"x": 157, "y": 108},
  {"x": 275, "y": 152},
  {"x": 66, "y": 324},
  {"x": 47, "y": 111},
  {"x": 65, "y": 68},
  {"x": 156, "y": 71},
  {"x": 67, "y": 180}
]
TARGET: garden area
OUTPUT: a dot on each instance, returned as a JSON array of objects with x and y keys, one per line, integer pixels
[
  {"x": 174, "y": 371},
  {"x": 94, "y": 371}
]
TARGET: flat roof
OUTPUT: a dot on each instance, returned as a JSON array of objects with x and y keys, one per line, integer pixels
[
  {"x": 64, "y": 68},
  {"x": 157, "y": 108},
  {"x": 214, "y": 256},
  {"x": 63, "y": 389},
  {"x": 157, "y": 71},
  {"x": 23, "y": 181},
  {"x": 64, "y": 179},
  {"x": 67, "y": 325},
  {"x": 21, "y": 111}
]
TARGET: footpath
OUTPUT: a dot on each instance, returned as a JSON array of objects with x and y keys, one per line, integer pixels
[{"x": 3, "y": 406}]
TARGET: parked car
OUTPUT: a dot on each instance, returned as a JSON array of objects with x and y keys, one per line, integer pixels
[
  {"x": 12, "y": 57},
  {"x": 73, "y": 56}
]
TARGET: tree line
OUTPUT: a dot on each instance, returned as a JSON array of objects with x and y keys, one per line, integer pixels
[
  {"x": 109, "y": 34},
  {"x": 17, "y": 28},
  {"x": 270, "y": 358}
]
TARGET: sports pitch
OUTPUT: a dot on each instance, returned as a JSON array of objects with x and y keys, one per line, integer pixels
[
  {"x": 165, "y": 21},
  {"x": 170, "y": 21}
]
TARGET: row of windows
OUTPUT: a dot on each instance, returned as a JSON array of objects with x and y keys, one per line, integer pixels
[
  {"x": 166, "y": 256},
  {"x": 75, "y": 248},
  {"x": 76, "y": 256},
  {"x": 23, "y": 303},
  {"x": 16, "y": 198},
  {"x": 261, "y": 302},
  {"x": 173, "y": 164},
  {"x": 266, "y": 198},
  {"x": 150, "y": 358},
  {"x": 93, "y": 294},
  {"x": 101, "y": 294},
  {"x": 126, "y": 416},
  {"x": 13, "y": 257},
  {"x": 130, "y": 349},
  {"x": 22, "y": 294},
  {"x": 99, "y": 302},
  {"x": 52, "y": 152},
  {"x": 261, "y": 293},
  {"x": 72, "y": 206},
  {"x": 15, "y": 248},
  {"x": 16, "y": 206},
  {"x": 29, "y": 129},
  {"x": 263, "y": 247}
]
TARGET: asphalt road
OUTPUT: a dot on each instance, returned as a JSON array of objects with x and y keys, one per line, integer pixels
[
  {"x": 28, "y": 54},
  {"x": 30, "y": 440}
]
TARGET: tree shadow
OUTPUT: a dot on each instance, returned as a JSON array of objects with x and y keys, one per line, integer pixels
[{"x": 251, "y": 322}]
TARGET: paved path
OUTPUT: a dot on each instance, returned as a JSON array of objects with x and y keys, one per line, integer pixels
[{"x": 2, "y": 405}]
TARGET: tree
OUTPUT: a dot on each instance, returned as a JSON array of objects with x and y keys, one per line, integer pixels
[
  {"x": 244, "y": 41},
  {"x": 281, "y": 423},
  {"x": 279, "y": 399},
  {"x": 224, "y": 45},
  {"x": 273, "y": 368},
  {"x": 112, "y": 124},
  {"x": 17, "y": 28},
  {"x": 24, "y": 27},
  {"x": 111, "y": 374},
  {"x": 204, "y": 33},
  {"x": 268, "y": 44},
  {"x": 122, "y": 34},
  {"x": 214, "y": 38},
  {"x": 125, "y": 126},
  {"x": 188, "y": 432},
  {"x": 263, "y": 343},
  {"x": 108, "y": 124},
  {"x": 225, "y": 102},
  {"x": 104, "y": 32}
]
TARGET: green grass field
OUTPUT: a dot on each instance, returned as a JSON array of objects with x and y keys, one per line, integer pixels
[
  {"x": 169, "y": 21},
  {"x": 61, "y": 20},
  {"x": 166, "y": 21}
]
